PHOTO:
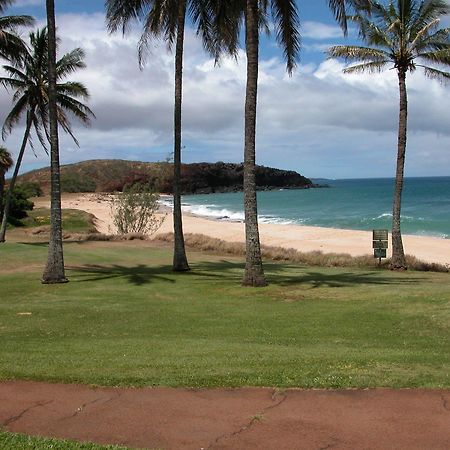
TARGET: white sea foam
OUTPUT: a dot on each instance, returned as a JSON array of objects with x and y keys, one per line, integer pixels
[
  {"x": 213, "y": 211},
  {"x": 404, "y": 217}
]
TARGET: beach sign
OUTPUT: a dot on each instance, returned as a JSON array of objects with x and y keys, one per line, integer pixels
[{"x": 380, "y": 244}]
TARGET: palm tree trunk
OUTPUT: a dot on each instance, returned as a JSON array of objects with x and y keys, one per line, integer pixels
[
  {"x": 398, "y": 261},
  {"x": 14, "y": 177},
  {"x": 254, "y": 273},
  {"x": 54, "y": 270},
  {"x": 2, "y": 188},
  {"x": 180, "y": 263}
]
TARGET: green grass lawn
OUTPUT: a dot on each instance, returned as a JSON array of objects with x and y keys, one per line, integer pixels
[
  {"x": 74, "y": 220},
  {"x": 126, "y": 319},
  {"x": 16, "y": 441}
]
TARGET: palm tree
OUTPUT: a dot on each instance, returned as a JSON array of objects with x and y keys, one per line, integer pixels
[
  {"x": 406, "y": 35},
  {"x": 29, "y": 80},
  {"x": 167, "y": 18},
  {"x": 228, "y": 16},
  {"x": 54, "y": 269},
  {"x": 6, "y": 162},
  {"x": 11, "y": 46},
  {"x": 227, "y": 20}
]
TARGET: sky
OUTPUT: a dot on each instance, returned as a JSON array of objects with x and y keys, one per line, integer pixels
[{"x": 319, "y": 121}]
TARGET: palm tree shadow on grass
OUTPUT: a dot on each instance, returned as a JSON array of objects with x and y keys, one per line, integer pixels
[
  {"x": 138, "y": 275},
  {"x": 288, "y": 274},
  {"x": 225, "y": 271}
]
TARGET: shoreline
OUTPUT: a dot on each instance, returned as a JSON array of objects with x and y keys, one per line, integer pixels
[{"x": 300, "y": 237}]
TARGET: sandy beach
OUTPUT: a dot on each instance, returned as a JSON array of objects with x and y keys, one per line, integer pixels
[{"x": 299, "y": 237}]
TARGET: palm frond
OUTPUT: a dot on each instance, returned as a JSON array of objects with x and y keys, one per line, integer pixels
[
  {"x": 76, "y": 108},
  {"x": 428, "y": 12},
  {"x": 74, "y": 89},
  {"x": 160, "y": 22},
  {"x": 287, "y": 29},
  {"x": 4, "y": 4},
  {"x": 423, "y": 33},
  {"x": 435, "y": 74},
  {"x": 13, "y": 117},
  {"x": 29, "y": 80},
  {"x": 438, "y": 57},
  {"x": 226, "y": 20},
  {"x": 16, "y": 73},
  {"x": 64, "y": 122},
  {"x": 41, "y": 129},
  {"x": 340, "y": 10},
  {"x": 11, "y": 23},
  {"x": 369, "y": 67},
  {"x": 70, "y": 63},
  {"x": 356, "y": 53},
  {"x": 121, "y": 13}
]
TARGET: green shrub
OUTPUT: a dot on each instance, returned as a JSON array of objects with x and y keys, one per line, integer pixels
[
  {"x": 18, "y": 207},
  {"x": 134, "y": 211},
  {"x": 30, "y": 189}
]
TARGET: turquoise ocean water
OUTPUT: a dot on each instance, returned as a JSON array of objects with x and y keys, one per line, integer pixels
[{"x": 362, "y": 204}]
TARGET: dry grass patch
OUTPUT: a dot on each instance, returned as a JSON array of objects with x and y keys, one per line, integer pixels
[{"x": 315, "y": 258}]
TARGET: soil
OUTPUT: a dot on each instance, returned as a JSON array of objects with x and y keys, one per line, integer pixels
[{"x": 238, "y": 419}]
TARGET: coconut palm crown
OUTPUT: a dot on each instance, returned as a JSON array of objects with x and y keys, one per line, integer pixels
[
  {"x": 28, "y": 79},
  {"x": 403, "y": 35}
]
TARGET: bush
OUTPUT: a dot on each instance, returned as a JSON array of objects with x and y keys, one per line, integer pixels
[
  {"x": 18, "y": 207},
  {"x": 30, "y": 189},
  {"x": 134, "y": 211}
]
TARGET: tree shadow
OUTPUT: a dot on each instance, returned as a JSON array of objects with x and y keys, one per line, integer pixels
[
  {"x": 226, "y": 271},
  {"x": 34, "y": 244},
  {"x": 137, "y": 275},
  {"x": 289, "y": 274}
]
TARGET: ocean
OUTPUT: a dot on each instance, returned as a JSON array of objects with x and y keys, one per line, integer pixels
[{"x": 362, "y": 204}]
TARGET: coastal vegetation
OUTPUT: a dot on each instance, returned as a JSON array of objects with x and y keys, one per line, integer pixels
[
  {"x": 407, "y": 31},
  {"x": 122, "y": 321},
  {"x": 134, "y": 211},
  {"x": 404, "y": 35},
  {"x": 198, "y": 178}
]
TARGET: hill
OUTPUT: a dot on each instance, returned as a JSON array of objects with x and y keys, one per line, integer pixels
[{"x": 198, "y": 178}]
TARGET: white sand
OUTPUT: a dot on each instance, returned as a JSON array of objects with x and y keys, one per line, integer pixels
[{"x": 303, "y": 238}]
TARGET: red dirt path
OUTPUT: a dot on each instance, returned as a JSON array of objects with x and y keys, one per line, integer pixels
[{"x": 248, "y": 418}]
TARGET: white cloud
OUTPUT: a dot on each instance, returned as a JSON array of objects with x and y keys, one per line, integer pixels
[
  {"x": 320, "y": 31},
  {"x": 320, "y": 121}
]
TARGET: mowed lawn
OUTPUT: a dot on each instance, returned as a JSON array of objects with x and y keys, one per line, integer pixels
[{"x": 125, "y": 319}]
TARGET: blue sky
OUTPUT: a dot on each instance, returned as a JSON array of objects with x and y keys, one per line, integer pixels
[{"x": 319, "y": 122}]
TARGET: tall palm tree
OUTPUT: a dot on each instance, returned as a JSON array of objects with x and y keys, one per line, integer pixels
[
  {"x": 54, "y": 269},
  {"x": 11, "y": 45},
  {"x": 228, "y": 17},
  {"x": 405, "y": 35},
  {"x": 6, "y": 162},
  {"x": 29, "y": 80},
  {"x": 167, "y": 18}
]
